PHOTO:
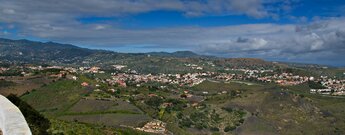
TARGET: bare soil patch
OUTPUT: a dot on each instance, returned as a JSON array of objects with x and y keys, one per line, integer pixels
[{"x": 23, "y": 84}]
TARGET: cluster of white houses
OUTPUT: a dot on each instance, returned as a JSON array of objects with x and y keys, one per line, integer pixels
[
  {"x": 155, "y": 126},
  {"x": 332, "y": 86},
  {"x": 189, "y": 79},
  {"x": 2, "y": 69}
]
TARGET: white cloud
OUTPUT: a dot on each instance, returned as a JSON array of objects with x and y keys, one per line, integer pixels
[
  {"x": 56, "y": 20},
  {"x": 8, "y": 11},
  {"x": 100, "y": 27},
  {"x": 325, "y": 41}
]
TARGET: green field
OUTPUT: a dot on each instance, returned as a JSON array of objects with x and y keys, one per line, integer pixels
[
  {"x": 57, "y": 97},
  {"x": 77, "y": 128},
  {"x": 109, "y": 119},
  {"x": 64, "y": 100},
  {"x": 90, "y": 105}
]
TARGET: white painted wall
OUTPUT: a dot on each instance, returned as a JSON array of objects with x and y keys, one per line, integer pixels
[{"x": 12, "y": 121}]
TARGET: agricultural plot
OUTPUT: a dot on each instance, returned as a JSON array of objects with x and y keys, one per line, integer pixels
[
  {"x": 111, "y": 119},
  {"x": 103, "y": 106},
  {"x": 64, "y": 100},
  {"x": 213, "y": 87},
  {"x": 19, "y": 85},
  {"x": 104, "y": 112},
  {"x": 75, "y": 128},
  {"x": 56, "y": 98}
]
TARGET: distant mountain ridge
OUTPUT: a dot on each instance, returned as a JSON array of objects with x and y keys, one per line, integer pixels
[
  {"x": 180, "y": 54},
  {"x": 30, "y": 51},
  {"x": 33, "y": 52}
]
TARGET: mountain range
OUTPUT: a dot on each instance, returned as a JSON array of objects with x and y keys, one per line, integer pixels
[{"x": 33, "y": 52}]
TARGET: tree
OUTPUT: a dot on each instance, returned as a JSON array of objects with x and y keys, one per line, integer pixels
[
  {"x": 154, "y": 101},
  {"x": 315, "y": 85}
]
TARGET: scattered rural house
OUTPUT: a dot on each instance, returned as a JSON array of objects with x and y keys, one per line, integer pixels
[
  {"x": 152, "y": 95},
  {"x": 195, "y": 99},
  {"x": 321, "y": 91},
  {"x": 167, "y": 105},
  {"x": 71, "y": 77},
  {"x": 119, "y": 67},
  {"x": 339, "y": 93},
  {"x": 56, "y": 75},
  {"x": 112, "y": 90},
  {"x": 122, "y": 83},
  {"x": 155, "y": 126},
  {"x": 85, "y": 84},
  {"x": 97, "y": 90}
]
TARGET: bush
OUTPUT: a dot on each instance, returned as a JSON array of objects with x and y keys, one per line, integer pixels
[
  {"x": 228, "y": 109},
  {"x": 229, "y": 128},
  {"x": 179, "y": 115},
  {"x": 154, "y": 101},
  {"x": 241, "y": 121},
  {"x": 214, "y": 129},
  {"x": 186, "y": 123},
  {"x": 177, "y": 105},
  {"x": 315, "y": 85}
]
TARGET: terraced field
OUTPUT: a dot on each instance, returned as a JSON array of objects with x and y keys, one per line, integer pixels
[
  {"x": 110, "y": 119},
  {"x": 19, "y": 85},
  {"x": 109, "y": 113},
  {"x": 94, "y": 106},
  {"x": 56, "y": 98},
  {"x": 65, "y": 100}
]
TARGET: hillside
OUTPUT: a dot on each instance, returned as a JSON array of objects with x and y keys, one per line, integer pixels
[
  {"x": 245, "y": 62},
  {"x": 51, "y": 53},
  {"x": 25, "y": 51},
  {"x": 39, "y": 52}
]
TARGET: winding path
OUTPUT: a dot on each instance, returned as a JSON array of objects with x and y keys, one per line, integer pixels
[{"x": 12, "y": 121}]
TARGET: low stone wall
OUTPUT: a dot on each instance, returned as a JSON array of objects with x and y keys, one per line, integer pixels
[{"x": 12, "y": 121}]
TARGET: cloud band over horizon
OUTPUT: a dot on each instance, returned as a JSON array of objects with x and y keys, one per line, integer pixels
[{"x": 281, "y": 35}]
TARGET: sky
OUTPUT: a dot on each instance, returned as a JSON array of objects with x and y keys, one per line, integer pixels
[{"x": 306, "y": 31}]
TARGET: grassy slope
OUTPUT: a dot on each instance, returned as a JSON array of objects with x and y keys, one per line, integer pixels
[
  {"x": 74, "y": 128},
  {"x": 276, "y": 110},
  {"x": 55, "y": 98},
  {"x": 63, "y": 100}
]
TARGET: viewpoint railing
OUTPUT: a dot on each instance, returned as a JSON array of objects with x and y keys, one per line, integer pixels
[{"x": 12, "y": 121}]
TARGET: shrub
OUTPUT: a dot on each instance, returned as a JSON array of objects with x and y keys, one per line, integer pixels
[
  {"x": 214, "y": 129},
  {"x": 315, "y": 85},
  {"x": 229, "y": 128},
  {"x": 154, "y": 101},
  {"x": 186, "y": 123}
]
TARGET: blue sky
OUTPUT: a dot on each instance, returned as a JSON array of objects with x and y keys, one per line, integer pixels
[{"x": 309, "y": 31}]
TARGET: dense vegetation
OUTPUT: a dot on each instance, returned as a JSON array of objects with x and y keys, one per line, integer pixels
[{"x": 315, "y": 85}]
